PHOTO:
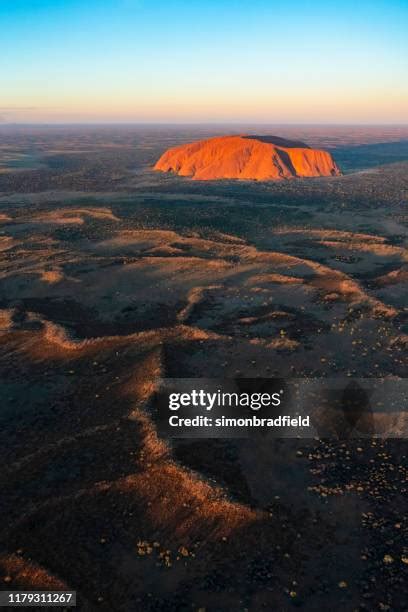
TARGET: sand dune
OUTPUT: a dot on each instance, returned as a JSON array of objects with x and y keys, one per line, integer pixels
[
  {"x": 74, "y": 216},
  {"x": 27, "y": 575},
  {"x": 393, "y": 278}
]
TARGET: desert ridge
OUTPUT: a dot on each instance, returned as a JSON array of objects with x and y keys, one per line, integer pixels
[{"x": 247, "y": 158}]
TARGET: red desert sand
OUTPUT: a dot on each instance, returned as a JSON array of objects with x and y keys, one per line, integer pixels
[{"x": 247, "y": 157}]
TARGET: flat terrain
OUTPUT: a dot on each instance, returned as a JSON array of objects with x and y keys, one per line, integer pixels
[{"x": 112, "y": 275}]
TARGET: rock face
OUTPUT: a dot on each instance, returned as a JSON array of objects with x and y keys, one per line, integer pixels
[{"x": 262, "y": 158}]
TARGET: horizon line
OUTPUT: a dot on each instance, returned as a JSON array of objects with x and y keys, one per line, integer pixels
[{"x": 196, "y": 123}]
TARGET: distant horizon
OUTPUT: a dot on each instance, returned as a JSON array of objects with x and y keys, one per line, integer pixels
[
  {"x": 222, "y": 61},
  {"x": 201, "y": 123}
]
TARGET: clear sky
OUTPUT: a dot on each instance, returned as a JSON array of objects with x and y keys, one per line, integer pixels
[{"x": 261, "y": 61}]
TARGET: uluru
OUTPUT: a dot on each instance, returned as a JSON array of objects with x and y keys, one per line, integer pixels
[{"x": 261, "y": 158}]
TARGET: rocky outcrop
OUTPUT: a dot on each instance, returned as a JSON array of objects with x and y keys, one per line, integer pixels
[{"x": 247, "y": 157}]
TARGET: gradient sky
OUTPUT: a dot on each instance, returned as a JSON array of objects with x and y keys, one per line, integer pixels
[{"x": 209, "y": 61}]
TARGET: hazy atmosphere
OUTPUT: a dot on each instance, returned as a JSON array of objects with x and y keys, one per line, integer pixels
[{"x": 220, "y": 60}]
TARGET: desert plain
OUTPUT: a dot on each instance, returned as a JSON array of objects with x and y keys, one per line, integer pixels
[{"x": 113, "y": 275}]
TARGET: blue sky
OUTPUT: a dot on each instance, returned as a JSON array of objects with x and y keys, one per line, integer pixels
[{"x": 225, "y": 60}]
